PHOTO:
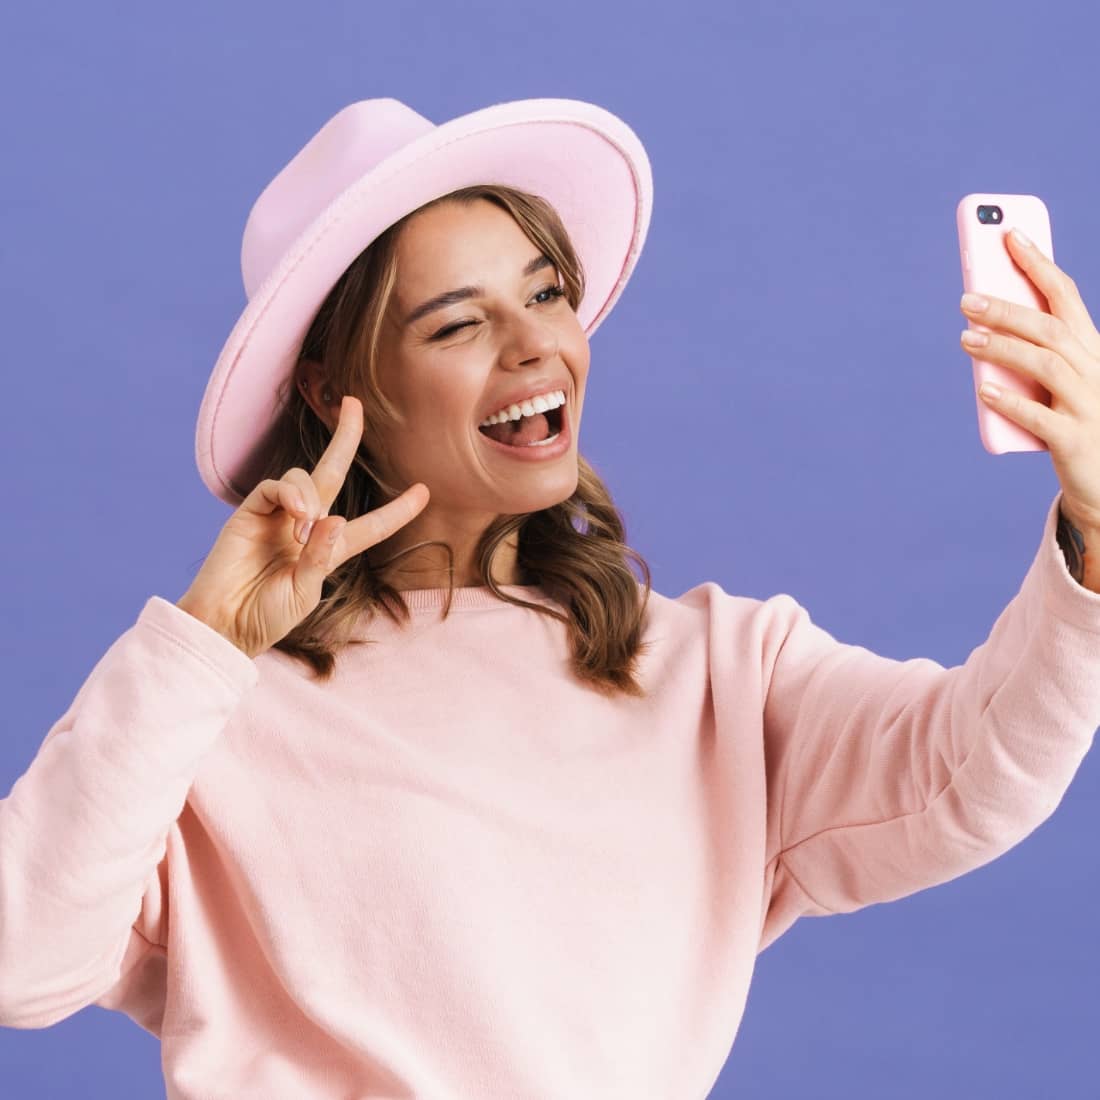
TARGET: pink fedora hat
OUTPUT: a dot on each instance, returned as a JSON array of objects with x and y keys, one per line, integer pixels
[{"x": 366, "y": 168}]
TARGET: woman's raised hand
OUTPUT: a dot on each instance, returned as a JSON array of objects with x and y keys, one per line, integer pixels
[{"x": 259, "y": 581}]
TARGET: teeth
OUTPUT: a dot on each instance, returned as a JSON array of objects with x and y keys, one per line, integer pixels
[{"x": 543, "y": 403}]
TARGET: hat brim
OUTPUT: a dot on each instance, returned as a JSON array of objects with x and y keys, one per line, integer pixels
[{"x": 586, "y": 162}]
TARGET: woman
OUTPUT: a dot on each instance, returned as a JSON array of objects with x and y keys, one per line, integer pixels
[{"x": 529, "y": 840}]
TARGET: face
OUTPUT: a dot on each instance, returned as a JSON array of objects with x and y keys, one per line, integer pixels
[{"x": 450, "y": 368}]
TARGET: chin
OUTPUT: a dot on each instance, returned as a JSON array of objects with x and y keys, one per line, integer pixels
[{"x": 547, "y": 496}]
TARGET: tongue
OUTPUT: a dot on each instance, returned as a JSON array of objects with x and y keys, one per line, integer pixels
[{"x": 528, "y": 429}]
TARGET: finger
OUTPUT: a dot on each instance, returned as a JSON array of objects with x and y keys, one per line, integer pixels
[
  {"x": 306, "y": 486},
  {"x": 331, "y": 470},
  {"x": 312, "y": 510},
  {"x": 1058, "y": 288},
  {"x": 316, "y": 560},
  {"x": 1042, "y": 329},
  {"x": 379, "y": 524},
  {"x": 293, "y": 493},
  {"x": 1046, "y": 367},
  {"x": 1041, "y": 421},
  {"x": 270, "y": 494}
]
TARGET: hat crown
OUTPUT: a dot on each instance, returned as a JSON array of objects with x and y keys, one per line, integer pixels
[{"x": 348, "y": 146}]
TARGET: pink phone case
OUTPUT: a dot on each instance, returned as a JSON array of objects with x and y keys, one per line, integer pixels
[{"x": 988, "y": 268}]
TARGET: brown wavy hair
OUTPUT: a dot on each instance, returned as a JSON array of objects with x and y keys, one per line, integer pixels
[{"x": 575, "y": 551}]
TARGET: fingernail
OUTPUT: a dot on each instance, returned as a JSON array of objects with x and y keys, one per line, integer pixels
[
  {"x": 303, "y": 534},
  {"x": 1020, "y": 238},
  {"x": 299, "y": 503},
  {"x": 974, "y": 302}
]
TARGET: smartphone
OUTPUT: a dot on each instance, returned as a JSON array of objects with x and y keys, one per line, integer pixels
[{"x": 988, "y": 268}]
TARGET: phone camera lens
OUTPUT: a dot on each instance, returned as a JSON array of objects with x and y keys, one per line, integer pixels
[{"x": 987, "y": 214}]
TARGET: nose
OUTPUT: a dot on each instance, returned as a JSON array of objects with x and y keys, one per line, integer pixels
[{"x": 532, "y": 339}]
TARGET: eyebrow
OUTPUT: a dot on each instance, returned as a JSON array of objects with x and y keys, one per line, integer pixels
[{"x": 449, "y": 297}]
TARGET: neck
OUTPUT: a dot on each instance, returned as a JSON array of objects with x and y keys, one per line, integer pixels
[{"x": 426, "y": 566}]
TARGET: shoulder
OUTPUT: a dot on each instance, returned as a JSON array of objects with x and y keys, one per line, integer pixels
[
  {"x": 709, "y": 600},
  {"x": 724, "y": 620}
]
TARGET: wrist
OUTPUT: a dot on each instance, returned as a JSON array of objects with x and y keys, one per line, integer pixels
[
  {"x": 196, "y": 610},
  {"x": 1076, "y": 541}
]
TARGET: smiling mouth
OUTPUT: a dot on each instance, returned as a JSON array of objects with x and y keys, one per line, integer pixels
[{"x": 512, "y": 429}]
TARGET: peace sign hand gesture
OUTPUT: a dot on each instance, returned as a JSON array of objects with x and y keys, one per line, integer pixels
[{"x": 258, "y": 582}]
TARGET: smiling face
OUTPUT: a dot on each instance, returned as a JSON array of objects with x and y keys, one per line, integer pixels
[{"x": 449, "y": 368}]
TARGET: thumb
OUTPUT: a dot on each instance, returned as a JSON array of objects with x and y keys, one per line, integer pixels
[{"x": 316, "y": 558}]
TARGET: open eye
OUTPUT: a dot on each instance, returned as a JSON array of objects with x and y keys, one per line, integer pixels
[{"x": 553, "y": 291}]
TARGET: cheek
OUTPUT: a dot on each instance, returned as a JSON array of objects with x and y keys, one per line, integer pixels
[
  {"x": 444, "y": 412},
  {"x": 580, "y": 355},
  {"x": 574, "y": 343}
]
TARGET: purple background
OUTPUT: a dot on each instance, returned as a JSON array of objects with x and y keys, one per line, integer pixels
[{"x": 779, "y": 403}]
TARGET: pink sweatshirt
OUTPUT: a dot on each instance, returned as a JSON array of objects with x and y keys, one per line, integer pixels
[{"x": 453, "y": 873}]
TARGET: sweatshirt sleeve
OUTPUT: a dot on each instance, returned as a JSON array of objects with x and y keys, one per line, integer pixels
[
  {"x": 888, "y": 777},
  {"x": 85, "y": 826}
]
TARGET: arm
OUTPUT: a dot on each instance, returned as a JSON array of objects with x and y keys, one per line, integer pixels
[
  {"x": 888, "y": 777},
  {"x": 83, "y": 831}
]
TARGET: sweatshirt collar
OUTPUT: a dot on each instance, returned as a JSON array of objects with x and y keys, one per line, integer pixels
[{"x": 473, "y": 597}]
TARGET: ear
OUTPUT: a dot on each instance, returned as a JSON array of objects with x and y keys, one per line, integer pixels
[{"x": 312, "y": 383}]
